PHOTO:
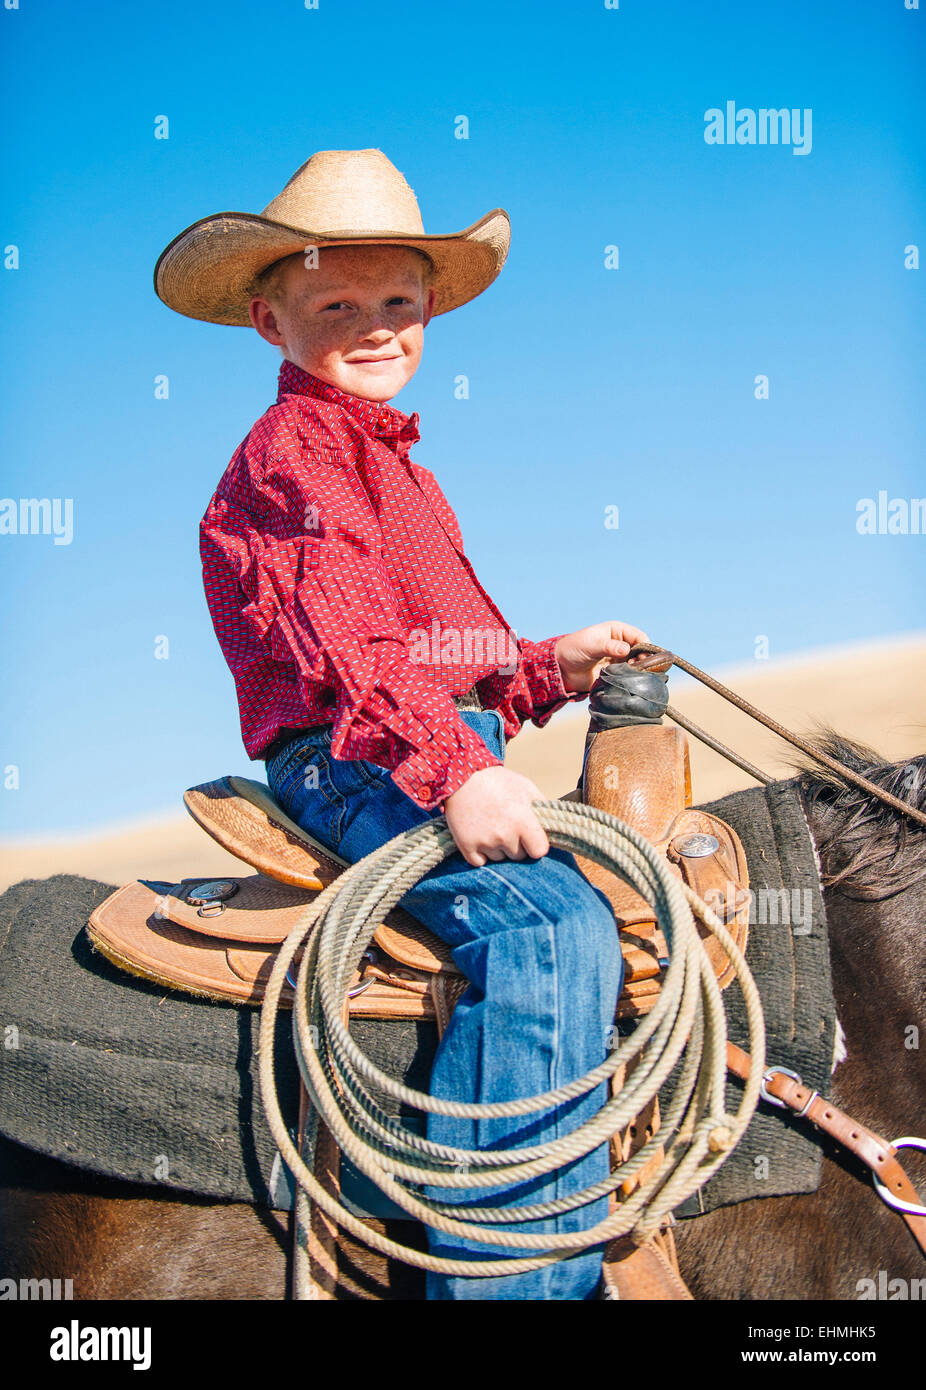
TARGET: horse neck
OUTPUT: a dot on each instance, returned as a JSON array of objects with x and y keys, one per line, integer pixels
[{"x": 878, "y": 956}]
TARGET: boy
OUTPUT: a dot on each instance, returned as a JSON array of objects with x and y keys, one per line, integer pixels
[{"x": 375, "y": 676}]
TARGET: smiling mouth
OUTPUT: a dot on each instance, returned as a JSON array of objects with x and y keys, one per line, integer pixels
[{"x": 371, "y": 361}]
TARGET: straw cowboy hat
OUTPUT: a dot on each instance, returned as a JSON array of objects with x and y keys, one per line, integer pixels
[{"x": 337, "y": 198}]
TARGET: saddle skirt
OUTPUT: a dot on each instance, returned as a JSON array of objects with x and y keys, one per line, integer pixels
[{"x": 219, "y": 938}]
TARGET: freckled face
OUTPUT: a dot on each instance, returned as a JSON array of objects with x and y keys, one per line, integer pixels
[{"x": 357, "y": 321}]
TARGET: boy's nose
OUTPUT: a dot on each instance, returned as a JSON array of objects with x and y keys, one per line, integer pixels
[{"x": 374, "y": 330}]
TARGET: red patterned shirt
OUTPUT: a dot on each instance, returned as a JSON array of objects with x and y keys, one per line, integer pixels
[{"x": 340, "y": 592}]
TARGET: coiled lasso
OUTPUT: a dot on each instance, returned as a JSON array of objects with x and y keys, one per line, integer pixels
[{"x": 687, "y": 1022}]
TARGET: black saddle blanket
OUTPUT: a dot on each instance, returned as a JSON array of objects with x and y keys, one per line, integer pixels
[
  {"x": 132, "y": 1081},
  {"x": 788, "y": 954}
]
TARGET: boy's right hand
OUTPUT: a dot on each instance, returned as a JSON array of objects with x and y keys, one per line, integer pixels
[{"x": 491, "y": 817}]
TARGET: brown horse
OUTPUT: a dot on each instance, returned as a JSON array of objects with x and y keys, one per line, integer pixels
[{"x": 124, "y": 1241}]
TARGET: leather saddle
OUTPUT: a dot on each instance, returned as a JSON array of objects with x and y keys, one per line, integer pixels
[{"x": 217, "y": 938}]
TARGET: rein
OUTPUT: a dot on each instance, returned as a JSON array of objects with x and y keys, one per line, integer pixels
[{"x": 661, "y": 660}]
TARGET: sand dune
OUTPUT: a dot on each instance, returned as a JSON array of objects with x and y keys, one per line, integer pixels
[{"x": 874, "y": 693}]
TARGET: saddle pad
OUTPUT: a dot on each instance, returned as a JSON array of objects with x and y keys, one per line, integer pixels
[
  {"x": 120, "y": 1077},
  {"x": 788, "y": 953}
]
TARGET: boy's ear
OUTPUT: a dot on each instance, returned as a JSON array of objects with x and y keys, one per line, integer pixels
[
  {"x": 264, "y": 320},
  {"x": 428, "y": 307}
]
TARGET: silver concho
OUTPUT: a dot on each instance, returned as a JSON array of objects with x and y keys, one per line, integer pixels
[
  {"x": 216, "y": 890},
  {"x": 696, "y": 846}
]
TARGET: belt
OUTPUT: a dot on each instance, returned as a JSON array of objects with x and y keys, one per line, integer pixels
[{"x": 470, "y": 701}]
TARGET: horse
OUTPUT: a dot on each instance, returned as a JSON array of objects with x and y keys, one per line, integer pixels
[{"x": 119, "y": 1240}]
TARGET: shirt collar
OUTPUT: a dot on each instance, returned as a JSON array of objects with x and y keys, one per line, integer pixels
[{"x": 378, "y": 419}]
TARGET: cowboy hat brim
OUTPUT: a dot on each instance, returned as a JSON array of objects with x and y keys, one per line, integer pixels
[{"x": 207, "y": 270}]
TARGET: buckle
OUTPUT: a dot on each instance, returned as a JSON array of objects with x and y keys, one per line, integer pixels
[{"x": 779, "y": 1071}]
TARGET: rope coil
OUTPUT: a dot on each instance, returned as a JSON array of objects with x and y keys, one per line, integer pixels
[{"x": 686, "y": 1024}]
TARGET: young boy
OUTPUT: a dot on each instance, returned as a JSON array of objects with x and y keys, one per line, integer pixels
[{"x": 375, "y": 676}]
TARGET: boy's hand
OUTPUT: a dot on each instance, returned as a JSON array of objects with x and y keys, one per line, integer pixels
[
  {"x": 582, "y": 654},
  {"x": 491, "y": 817}
]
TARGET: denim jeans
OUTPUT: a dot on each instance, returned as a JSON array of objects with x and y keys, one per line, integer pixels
[{"x": 538, "y": 944}]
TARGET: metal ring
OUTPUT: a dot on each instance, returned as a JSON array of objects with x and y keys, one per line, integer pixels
[
  {"x": 351, "y": 993},
  {"x": 776, "y": 1071},
  {"x": 358, "y": 989},
  {"x": 210, "y": 910},
  {"x": 369, "y": 956},
  {"x": 909, "y": 1141}
]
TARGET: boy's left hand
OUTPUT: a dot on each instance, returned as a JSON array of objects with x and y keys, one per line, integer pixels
[{"x": 582, "y": 654}]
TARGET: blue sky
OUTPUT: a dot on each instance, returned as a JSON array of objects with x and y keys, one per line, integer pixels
[{"x": 589, "y": 387}]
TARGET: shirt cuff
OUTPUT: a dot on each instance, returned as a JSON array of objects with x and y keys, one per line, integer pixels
[
  {"x": 447, "y": 760},
  {"x": 545, "y": 680}
]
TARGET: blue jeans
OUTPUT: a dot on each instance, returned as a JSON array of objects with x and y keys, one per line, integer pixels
[{"x": 539, "y": 946}]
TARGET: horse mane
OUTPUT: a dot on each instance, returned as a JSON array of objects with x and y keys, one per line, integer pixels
[{"x": 867, "y": 850}]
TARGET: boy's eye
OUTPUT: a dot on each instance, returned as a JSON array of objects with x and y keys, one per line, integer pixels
[{"x": 343, "y": 304}]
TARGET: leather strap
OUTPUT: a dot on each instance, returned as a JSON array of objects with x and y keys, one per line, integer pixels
[
  {"x": 644, "y": 1272},
  {"x": 875, "y": 1152},
  {"x": 446, "y": 992},
  {"x": 313, "y": 1250}
]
